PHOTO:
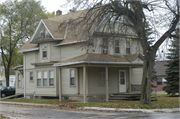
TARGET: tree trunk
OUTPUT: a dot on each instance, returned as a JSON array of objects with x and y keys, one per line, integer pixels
[
  {"x": 146, "y": 80},
  {"x": 7, "y": 77}
]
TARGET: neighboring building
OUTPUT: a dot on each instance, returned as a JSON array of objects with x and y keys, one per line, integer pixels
[
  {"x": 55, "y": 66},
  {"x": 12, "y": 80},
  {"x": 161, "y": 74},
  {"x": 3, "y": 79}
]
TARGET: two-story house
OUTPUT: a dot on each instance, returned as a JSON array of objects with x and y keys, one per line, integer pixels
[{"x": 56, "y": 65}]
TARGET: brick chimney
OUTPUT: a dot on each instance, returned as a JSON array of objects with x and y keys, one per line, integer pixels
[{"x": 58, "y": 12}]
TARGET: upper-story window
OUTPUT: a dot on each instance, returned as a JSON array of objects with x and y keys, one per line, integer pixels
[
  {"x": 117, "y": 46},
  {"x": 128, "y": 49},
  {"x": 117, "y": 18},
  {"x": 44, "y": 50},
  {"x": 105, "y": 45}
]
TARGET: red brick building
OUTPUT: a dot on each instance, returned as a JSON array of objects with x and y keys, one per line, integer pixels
[{"x": 160, "y": 73}]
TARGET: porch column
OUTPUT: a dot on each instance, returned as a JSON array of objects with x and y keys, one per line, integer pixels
[
  {"x": 84, "y": 83},
  {"x": 60, "y": 85},
  {"x": 129, "y": 79},
  {"x": 107, "y": 93}
]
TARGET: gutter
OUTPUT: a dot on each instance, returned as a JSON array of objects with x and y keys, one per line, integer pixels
[
  {"x": 17, "y": 67},
  {"x": 24, "y": 76},
  {"x": 70, "y": 43},
  {"x": 95, "y": 62},
  {"x": 28, "y": 50}
]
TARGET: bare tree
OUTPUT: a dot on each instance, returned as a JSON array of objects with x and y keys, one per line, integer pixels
[{"x": 135, "y": 15}]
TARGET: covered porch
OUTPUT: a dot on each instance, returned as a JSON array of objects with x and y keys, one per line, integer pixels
[{"x": 99, "y": 78}]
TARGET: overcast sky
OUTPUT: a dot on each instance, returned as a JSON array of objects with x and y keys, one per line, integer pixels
[{"x": 52, "y": 5}]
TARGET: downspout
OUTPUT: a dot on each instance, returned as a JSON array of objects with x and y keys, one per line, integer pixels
[{"x": 24, "y": 62}]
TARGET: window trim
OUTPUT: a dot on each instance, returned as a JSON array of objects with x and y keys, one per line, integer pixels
[
  {"x": 44, "y": 78},
  {"x": 129, "y": 46},
  {"x": 30, "y": 76},
  {"x": 50, "y": 78},
  {"x": 105, "y": 44},
  {"x": 72, "y": 77},
  {"x": 39, "y": 78},
  {"x": 115, "y": 46},
  {"x": 19, "y": 81},
  {"x": 46, "y": 50}
]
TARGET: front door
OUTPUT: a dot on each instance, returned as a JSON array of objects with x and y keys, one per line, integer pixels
[{"x": 122, "y": 81}]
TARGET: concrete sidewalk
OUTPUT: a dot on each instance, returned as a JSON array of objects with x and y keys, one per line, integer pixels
[{"x": 171, "y": 110}]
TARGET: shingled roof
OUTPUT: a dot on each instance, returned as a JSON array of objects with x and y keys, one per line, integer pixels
[
  {"x": 57, "y": 27},
  {"x": 96, "y": 58},
  {"x": 160, "y": 68}
]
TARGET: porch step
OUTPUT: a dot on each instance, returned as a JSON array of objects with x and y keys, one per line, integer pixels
[{"x": 124, "y": 96}]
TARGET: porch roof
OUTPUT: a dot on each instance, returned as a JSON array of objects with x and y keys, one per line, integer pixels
[{"x": 99, "y": 59}]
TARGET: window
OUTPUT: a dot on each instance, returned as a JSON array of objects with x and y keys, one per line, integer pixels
[
  {"x": 44, "y": 78},
  {"x": 31, "y": 76},
  {"x": 0, "y": 82},
  {"x": 128, "y": 47},
  {"x": 117, "y": 46},
  {"x": 51, "y": 78},
  {"x": 19, "y": 80},
  {"x": 72, "y": 77},
  {"x": 38, "y": 78},
  {"x": 44, "y": 50},
  {"x": 102, "y": 76},
  {"x": 117, "y": 18},
  {"x": 105, "y": 45},
  {"x": 159, "y": 81}
]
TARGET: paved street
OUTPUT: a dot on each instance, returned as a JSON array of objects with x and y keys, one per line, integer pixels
[{"x": 28, "y": 112}]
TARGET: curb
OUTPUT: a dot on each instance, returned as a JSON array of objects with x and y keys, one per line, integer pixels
[{"x": 173, "y": 110}]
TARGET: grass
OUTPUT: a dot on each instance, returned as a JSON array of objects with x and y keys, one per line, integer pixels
[
  {"x": 164, "y": 101},
  {"x": 41, "y": 101}
]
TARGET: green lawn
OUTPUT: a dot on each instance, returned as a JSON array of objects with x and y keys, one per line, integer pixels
[{"x": 164, "y": 101}]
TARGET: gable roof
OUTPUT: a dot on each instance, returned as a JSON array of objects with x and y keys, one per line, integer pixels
[
  {"x": 51, "y": 27},
  {"x": 95, "y": 58},
  {"x": 66, "y": 32},
  {"x": 28, "y": 46},
  {"x": 57, "y": 27},
  {"x": 160, "y": 68}
]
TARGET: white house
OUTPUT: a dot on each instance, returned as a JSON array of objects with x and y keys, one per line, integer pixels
[{"x": 56, "y": 66}]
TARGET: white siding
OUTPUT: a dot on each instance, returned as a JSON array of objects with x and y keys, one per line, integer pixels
[
  {"x": 66, "y": 88},
  {"x": 70, "y": 51},
  {"x": 54, "y": 52},
  {"x": 136, "y": 76},
  {"x": 31, "y": 86},
  {"x": 30, "y": 58},
  {"x": 19, "y": 90}
]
